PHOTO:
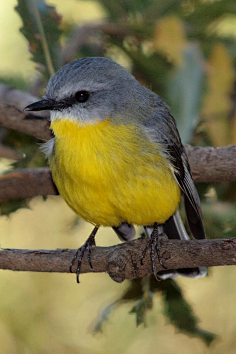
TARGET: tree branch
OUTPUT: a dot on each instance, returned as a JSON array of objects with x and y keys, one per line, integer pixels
[
  {"x": 17, "y": 98},
  {"x": 123, "y": 261},
  {"x": 12, "y": 103},
  {"x": 26, "y": 183},
  {"x": 12, "y": 118},
  {"x": 120, "y": 261},
  {"x": 208, "y": 165},
  {"x": 10, "y": 153}
]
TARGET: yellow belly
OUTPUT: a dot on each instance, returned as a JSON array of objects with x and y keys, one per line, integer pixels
[{"x": 109, "y": 174}]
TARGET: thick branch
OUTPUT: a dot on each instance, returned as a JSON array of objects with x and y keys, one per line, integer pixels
[
  {"x": 10, "y": 153},
  {"x": 27, "y": 183},
  {"x": 123, "y": 261},
  {"x": 12, "y": 103},
  {"x": 208, "y": 165},
  {"x": 12, "y": 118},
  {"x": 20, "y": 99}
]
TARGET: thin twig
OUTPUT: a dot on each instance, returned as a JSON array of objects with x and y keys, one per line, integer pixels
[{"x": 44, "y": 42}]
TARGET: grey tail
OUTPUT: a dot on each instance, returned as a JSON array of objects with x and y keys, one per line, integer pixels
[
  {"x": 174, "y": 229},
  {"x": 125, "y": 231}
]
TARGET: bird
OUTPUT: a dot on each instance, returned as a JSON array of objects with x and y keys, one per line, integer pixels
[{"x": 117, "y": 158}]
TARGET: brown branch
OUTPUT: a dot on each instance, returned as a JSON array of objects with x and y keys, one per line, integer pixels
[
  {"x": 10, "y": 153},
  {"x": 12, "y": 103},
  {"x": 27, "y": 183},
  {"x": 12, "y": 118},
  {"x": 123, "y": 261},
  {"x": 208, "y": 165},
  {"x": 20, "y": 99}
]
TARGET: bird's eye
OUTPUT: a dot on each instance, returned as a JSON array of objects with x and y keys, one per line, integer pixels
[{"x": 82, "y": 96}]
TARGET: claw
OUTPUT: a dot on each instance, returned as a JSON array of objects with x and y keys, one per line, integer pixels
[
  {"x": 79, "y": 254},
  {"x": 154, "y": 245}
]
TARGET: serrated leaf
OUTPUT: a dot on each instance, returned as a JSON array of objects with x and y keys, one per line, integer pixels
[
  {"x": 134, "y": 291},
  {"x": 138, "y": 291},
  {"x": 10, "y": 207},
  {"x": 41, "y": 28},
  {"x": 180, "y": 313},
  {"x": 141, "y": 307},
  {"x": 103, "y": 317}
]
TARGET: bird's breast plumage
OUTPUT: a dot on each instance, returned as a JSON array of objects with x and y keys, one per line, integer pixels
[{"x": 111, "y": 173}]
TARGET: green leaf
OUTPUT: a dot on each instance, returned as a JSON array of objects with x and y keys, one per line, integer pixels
[
  {"x": 176, "y": 308},
  {"x": 41, "y": 28},
  {"x": 137, "y": 291},
  {"x": 219, "y": 219},
  {"x": 141, "y": 308},
  {"x": 115, "y": 9},
  {"x": 206, "y": 12},
  {"x": 103, "y": 317},
  {"x": 149, "y": 68},
  {"x": 185, "y": 90},
  {"x": 180, "y": 313},
  {"x": 7, "y": 208}
]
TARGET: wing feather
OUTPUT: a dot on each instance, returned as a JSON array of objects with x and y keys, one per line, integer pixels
[{"x": 162, "y": 128}]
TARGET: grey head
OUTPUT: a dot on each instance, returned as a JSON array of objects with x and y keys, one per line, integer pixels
[{"x": 92, "y": 89}]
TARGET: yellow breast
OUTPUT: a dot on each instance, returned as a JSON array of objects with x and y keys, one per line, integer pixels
[{"x": 110, "y": 173}]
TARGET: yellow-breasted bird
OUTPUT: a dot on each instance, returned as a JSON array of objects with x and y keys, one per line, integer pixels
[{"x": 117, "y": 158}]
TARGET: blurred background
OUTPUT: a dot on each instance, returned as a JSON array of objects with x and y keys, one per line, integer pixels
[{"x": 185, "y": 51}]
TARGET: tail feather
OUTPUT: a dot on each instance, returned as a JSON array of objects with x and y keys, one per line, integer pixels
[
  {"x": 194, "y": 221},
  {"x": 125, "y": 231}
]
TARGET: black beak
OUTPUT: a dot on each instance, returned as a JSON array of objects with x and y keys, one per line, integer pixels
[{"x": 41, "y": 105}]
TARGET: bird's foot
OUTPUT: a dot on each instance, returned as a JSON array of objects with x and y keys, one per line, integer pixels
[
  {"x": 155, "y": 247},
  {"x": 79, "y": 254}
]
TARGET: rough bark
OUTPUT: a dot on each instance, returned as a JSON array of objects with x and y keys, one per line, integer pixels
[
  {"x": 26, "y": 183},
  {"x": 123, "y": 261},
  {"x": 12, "y": 118},
  {"x": 17, "y": 98},
  {"x": 208, "y": 165}
]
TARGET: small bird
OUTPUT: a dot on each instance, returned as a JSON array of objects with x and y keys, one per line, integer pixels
[{"x": 117, "y": 157}]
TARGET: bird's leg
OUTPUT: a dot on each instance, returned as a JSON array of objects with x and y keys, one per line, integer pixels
[
  {"x": 154, "y": 245},
  {"x": 79, "y": 254}
]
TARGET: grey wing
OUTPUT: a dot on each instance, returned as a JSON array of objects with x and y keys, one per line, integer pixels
[{"x": 161, "y": 128}]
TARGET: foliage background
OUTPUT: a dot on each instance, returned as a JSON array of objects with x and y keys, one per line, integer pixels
[{"x": 188, "y": 57}]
